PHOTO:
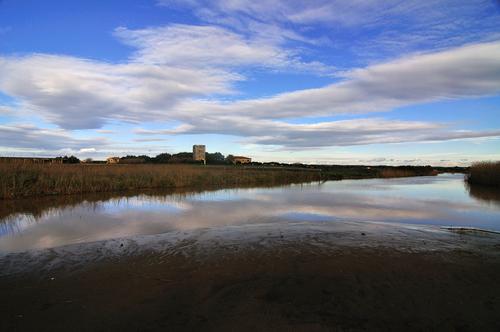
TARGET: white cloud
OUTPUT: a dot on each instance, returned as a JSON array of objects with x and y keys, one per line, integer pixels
[
  {"x": 30, "y": 140},
  {"x": 214, "y": 47},
  {"x": 469, "y": 71},
  {"x": 347, "y": 13},
  {"x": 49, "y": 140},
  {"x": 87, "y": 150},
  {"x": 82, "y": 94},
  {"x": 199, "y": 46},
  {"x": 171, "y": 64},
  {"x": 324, "y": 134},
  {"x": 313, "y": 11},
  {"x": 391, "y": 27}
]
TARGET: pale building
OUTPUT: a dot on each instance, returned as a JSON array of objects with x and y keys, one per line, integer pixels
[
  {"x": 241, "y": 160},
  {"x": 113, "y": 160},
  {"x": 199, "y": 153}
]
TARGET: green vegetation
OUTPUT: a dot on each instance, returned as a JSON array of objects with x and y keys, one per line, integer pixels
[
  {"x": 485, "y": 174},
  {"x": 215, "y": 158},
  {"x": 26, "y": 180}
]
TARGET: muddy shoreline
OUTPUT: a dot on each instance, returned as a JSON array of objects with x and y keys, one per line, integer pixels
[{"x": 300, "y": 277}]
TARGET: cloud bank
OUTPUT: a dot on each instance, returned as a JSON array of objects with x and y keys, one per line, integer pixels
[
  {"x": 470, "y": 71},
  {"x": 27, "y": 136},
  {"x": 381, "y": 28}
]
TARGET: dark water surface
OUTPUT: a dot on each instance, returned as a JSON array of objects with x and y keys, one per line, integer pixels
[{"x": 439, "y": 201}]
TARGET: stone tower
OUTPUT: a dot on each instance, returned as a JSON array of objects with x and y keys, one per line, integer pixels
[{"x": 199, "y": 153}]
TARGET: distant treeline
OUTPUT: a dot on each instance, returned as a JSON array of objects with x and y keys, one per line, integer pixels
[
  {"x": 216, "y": 158},
  {"x": 176, "y": 158}
]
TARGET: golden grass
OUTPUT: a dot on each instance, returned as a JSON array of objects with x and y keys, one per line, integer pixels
[
  {"x": 18, "y": 179},
  {"x": 394, "y": 173},
  {"x": 24, "y": 180},
  {"x": 485, "y": 173},
  {"x": 400, "y": 173}
]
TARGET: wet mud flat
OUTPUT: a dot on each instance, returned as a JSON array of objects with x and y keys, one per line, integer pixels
[{"x": 269, "y": 277}]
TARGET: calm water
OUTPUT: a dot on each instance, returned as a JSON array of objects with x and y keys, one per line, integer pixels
[{"x": 441, "y": 200}]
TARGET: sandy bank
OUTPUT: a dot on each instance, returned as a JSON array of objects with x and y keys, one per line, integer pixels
[{"x": 302, "y": 276}]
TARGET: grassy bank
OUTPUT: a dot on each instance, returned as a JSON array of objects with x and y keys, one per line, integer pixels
[
  {"x": 25, "y": 180},
  {"x": 485, "y": 174},
  {"x": 35, "y": 180}
]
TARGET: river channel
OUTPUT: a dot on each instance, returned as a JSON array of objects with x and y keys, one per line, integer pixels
[{"x": 442, "y": 200}]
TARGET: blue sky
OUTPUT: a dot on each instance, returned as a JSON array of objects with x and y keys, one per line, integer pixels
[{"x": 364, "y": 82}]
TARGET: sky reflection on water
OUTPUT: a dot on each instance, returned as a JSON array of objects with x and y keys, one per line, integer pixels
[{"x": 441, "y": 200}]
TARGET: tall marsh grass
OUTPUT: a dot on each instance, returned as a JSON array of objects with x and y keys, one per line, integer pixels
[
  {"x": 395, "y": 173},
  {"x": 24, "y": 180},
  {"x": 401, "y": 172},
  {"x": 485, "y": 173},
  {"x": 27, "y": 180}
]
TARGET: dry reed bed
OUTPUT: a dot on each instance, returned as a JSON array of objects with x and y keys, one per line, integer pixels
[
  {"x": 27, "y": 180},
  {"x": 24, "y": 180},
  {"x": 485, "y": 173},
  {"x": 400, "y": 173}
]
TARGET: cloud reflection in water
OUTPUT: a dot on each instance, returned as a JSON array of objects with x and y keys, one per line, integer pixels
[{"x": 441, "y": 200}]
